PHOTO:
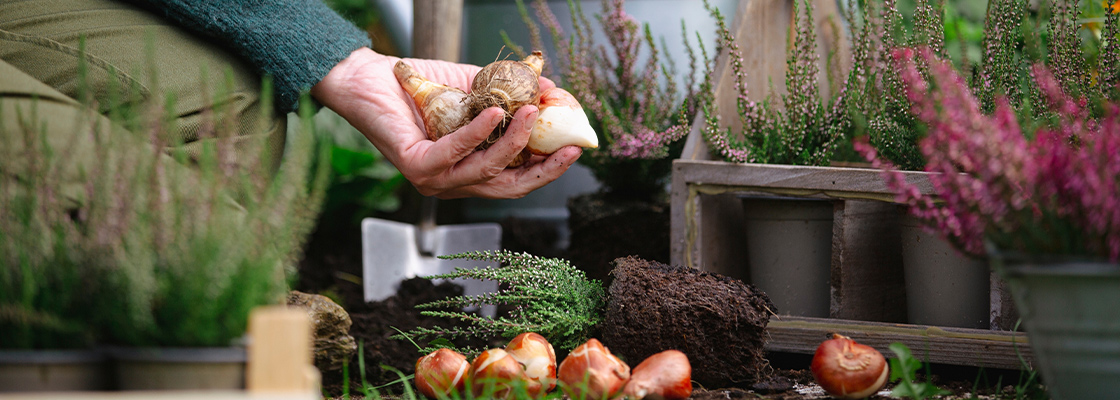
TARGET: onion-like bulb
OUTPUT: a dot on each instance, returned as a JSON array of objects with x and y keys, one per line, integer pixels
[
  {"x": 849, "y": 370},
  {"x": 561, "y": 122},
  {"x": 444, "y": 109},
  {"x": 441, "y": 372},
  {"x": 664, "y": 376},
  {"x": 537, "y": 356},
  {"x": 496, "y": 373},
  {"x": 510, "y": 85},
  {"x": 591, "y": 372}
]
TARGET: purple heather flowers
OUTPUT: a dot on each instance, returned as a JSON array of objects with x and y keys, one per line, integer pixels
[{"x": 1056, "y": 194}]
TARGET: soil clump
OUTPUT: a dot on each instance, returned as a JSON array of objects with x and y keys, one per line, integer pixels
[{"x": 717, "y": 321}]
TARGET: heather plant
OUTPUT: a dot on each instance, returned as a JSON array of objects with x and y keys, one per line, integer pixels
[
  {"x": 161, "y": 247},
  {"x": 1057, "y": 193},
  {"x": 1014, "y": 38},
  {"x": 797, "y": 128},
  {"x": 547, "y": 295},
  {"x": 636, "y": 108}
]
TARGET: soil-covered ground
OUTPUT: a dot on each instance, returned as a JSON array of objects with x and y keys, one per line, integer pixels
[{"x": 332, "y": 266}]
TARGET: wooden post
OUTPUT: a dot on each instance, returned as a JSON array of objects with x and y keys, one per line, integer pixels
[
  {"x": 436, "y": 29},
  {"x": 280, "y": 358}
]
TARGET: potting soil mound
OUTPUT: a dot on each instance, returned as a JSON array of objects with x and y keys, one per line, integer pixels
[{"x": 719, "y": 322}]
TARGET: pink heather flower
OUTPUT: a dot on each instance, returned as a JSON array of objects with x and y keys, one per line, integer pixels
[{"x": 1057, "y": 194}]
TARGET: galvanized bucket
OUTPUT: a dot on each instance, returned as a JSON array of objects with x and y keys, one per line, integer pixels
[{"x": 1071, "y": 311}]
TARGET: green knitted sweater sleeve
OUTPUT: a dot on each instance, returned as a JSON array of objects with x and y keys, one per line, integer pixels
[{"x": 295, "y": 41}]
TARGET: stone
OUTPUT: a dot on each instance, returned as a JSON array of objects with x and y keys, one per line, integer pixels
[
  {"x": 717, "y": 321},
  {"x": 331, "y": 329}
]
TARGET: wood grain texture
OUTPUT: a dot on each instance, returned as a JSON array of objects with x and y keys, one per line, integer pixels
[
  {"x": 280, "y": 357},
  {"x": 957, "y": 346},
  {"x": 867, "y": 278},
  {"x": 437, "y": 29}
]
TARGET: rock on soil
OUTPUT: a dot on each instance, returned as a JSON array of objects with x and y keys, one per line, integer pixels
[
  {"x": 333, "y": 343},
  {"x": 719, "y": 322}
]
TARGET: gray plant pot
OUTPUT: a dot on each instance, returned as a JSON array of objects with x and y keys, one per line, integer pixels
[
  {"x": 943, "y": 286},
  {"x": 53, "y": 370},
  {"x": 1071, "y": 314},
  {"x": 789, "y": 247},
  {"x": 208, "y": 368}
]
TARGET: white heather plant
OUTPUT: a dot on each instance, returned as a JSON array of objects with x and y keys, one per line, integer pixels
[{"x": 549, "y": 296}]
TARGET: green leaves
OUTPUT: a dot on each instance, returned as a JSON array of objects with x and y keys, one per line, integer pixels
[
  {"x": 904, "y": 369},
  {"x": 549, "y": 296}
]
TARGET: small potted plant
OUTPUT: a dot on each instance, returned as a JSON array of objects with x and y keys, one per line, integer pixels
[
  {"x": 201, "y": 259},
  {"x": 48, "y": 294},
  {"x": 156, "y": 256},
  {"x": 1037, "y": 192},
  {"x": 789, "y": 239},
  {"x": 640, "y": 114}
]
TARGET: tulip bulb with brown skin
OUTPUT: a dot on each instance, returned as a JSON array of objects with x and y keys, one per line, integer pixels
[
  {"x": 441, "y": 372},
  {"x": 499, "y": 372},
  {"x": 444, "y": 109},
  {"x": 537, "y": 356},
  {"x": 849, "y": 370},
  {"x": 510, "y": 85},
  {"x": 663, "y": 376},
  {"x": 591, "y": 372},
  {"x": 561, "y": 122}
]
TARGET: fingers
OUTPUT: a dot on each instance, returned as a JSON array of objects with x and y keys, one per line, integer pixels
[
  {"x": 546, "y": 83},
  {"x": 450, "y": 149},
  {"x": 517, "y": 182},
  {"x": 486, "y": 165}
]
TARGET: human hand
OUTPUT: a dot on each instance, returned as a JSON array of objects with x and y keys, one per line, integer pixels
[{"x": 364, "y": 91}]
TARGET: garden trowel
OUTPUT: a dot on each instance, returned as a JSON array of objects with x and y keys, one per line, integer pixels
[{"x": 394, "y": 251}]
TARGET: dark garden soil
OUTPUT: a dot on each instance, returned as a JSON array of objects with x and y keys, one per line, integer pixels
[
  {"x": 604, "y": 229},
  {"x": 332, "y": 267}
]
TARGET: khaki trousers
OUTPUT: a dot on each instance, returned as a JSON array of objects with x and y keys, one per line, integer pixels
[{"x": 132, "y": 56}]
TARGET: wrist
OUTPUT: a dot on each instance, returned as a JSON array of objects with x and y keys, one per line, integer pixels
[{"x": 340, "y": 78}]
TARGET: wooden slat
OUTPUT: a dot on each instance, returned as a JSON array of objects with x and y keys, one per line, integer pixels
[
  {"x": 280, "y": 355},
  {"x": 436, "y": 29},
  {"x": 831, "y": 182},
  {"x": 956, "y": 346},
  {"x": 867, "y": 282}
]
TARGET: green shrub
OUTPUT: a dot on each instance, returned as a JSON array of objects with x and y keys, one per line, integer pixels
[{"x": 162, "y": 249}]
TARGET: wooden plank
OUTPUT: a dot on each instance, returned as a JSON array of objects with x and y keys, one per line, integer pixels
[
  {"x": 280, "y": 356},
  {"x": 867, "y": 277},
  {"x": 437, "y": 29},
  {"x": 957, "y": 346},
  {"x": 828, "y": 182}
]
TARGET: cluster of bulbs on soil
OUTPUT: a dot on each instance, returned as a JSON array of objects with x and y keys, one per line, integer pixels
[
  {"x": 589, "y": 372},
  {"x": 508, "y": 84}
]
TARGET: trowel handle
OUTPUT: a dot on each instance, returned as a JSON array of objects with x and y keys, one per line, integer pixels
[{"x": 424, "y": 238}]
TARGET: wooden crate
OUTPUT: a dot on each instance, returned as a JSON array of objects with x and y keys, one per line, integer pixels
[{"x": 867, "y": 287}]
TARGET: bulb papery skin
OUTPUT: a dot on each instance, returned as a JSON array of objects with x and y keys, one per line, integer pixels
[
  {"x": 849, "y": 370},
  {"x": 537, "y": 356},
  {"x": 591, "y": 372},
  {"x": 443, "y": 109},
  {"x": 560, "y": 122},
  {"x": 663, "y": 376},
  {"x": 510, "y": 85},
  {"x": 440, "y": 372},
  {"x": 499, "y": 372}
]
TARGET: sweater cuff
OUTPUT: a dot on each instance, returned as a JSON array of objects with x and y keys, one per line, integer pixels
[{"x": 297, "y": 42}]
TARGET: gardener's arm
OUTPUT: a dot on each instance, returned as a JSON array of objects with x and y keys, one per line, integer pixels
[{"x": 303, "y": 44}]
